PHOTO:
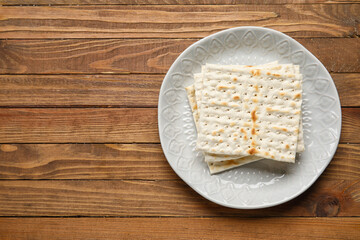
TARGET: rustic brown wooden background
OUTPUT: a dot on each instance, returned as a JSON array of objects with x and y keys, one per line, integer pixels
[{"x": 80, "y": 156}]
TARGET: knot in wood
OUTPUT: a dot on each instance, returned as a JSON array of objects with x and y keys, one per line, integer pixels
[{"x": 327, "y": 206}]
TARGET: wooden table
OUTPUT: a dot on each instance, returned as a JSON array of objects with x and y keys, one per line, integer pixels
[{"x": 80, "y": 156}]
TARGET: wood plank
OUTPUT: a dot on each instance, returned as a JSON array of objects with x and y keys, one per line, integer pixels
[
  {"x": 345, "y": 164},
  {"x": 123, "y": 161},
  {"x": 160, "y": 198},
  {"x": 114, "y": 90},
  {"x": 88, "y": 161},
  {"x": 78, "y": 125},
  {"x": 163, "y": 2},
  {"x": 80, "y": 90},
  {"x": 103, "y": 125},
  {"x": 179, "y": 228},
  {"x": 111, "y": 56},
  {"x": 347, "y": 87},
  {"x": 89, "y": 55},
  {"x": 331, "y": 53},
  {"x": 137, "y": 21},
  {"x": 116, "y": 2},
  {"x": 350, "y": 125}
]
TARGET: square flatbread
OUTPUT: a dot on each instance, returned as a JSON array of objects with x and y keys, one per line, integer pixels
[
  {"x": 284, "y": 68},
  {"x": 198, "y": 85},
  {"x": 217, "y": 163},
  {"x": 249, "y": 112}
]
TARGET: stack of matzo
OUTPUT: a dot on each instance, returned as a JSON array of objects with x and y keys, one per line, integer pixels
[{"x": 247, "y": 113}]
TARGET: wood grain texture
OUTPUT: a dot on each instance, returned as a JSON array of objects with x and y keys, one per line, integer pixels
[
  {"x": 109, "y": 56},
  {"x": 100, "y": 56},
  {"x": 114, "y": 90},
  {"x": 117, "y": 2},
  {"x": 164, "y": 2},
  {"x": 179, "y": 228},
  {"x": 350, "y": 125},
  {"x": 123, "y": 161},
  {"x": 347, "y": 87},
  {"x": 81, "y": 90},
  {"x": 103, "y": 125},
  {"x": 78, "y": 125},
  {"x": 120, "y": 2},
  {"x": 345, "y": 164},
  {"x": 160, "y": 198},
  {"x": 87, "y": 161},
  {"x": 136, "y": 21},
  {"x": 334, "y": 55}
]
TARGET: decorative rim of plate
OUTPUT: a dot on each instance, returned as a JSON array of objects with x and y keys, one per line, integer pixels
[{"x": 264, "y": 205}]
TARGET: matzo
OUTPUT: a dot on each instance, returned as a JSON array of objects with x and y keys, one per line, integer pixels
[
  {"x": 193, "y": 104},
  {"x": 220, "y": 163},
  {"x": 198, "y": 85},
  {"x": 289, "y": 70},
  {"x": 250, "y": 112},
  {"x": 217, "y": 163},
  {"x": 217, "y": 167},
  {"x": 208, "y": 157},
  {"x": 286, "y": 68},
  {"x": 211, "y": 158}
]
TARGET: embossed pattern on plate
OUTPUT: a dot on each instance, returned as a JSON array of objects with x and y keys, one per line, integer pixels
[{"x": 264, "y": 183}]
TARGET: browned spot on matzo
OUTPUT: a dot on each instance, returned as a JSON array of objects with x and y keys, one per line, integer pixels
[
  {"x": 253, "y": 131},
  {"x": 297, "y": 96},
  {"x": 222, "y": 87},
  {"x": 252, "y": 151},
  {"x": 255, "y": 72},
  {"x": 280, "y": 128},
  {"x": 253, "y": 115}
]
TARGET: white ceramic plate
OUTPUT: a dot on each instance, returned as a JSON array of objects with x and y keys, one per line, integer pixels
[{"x": 264, "y": 183}]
